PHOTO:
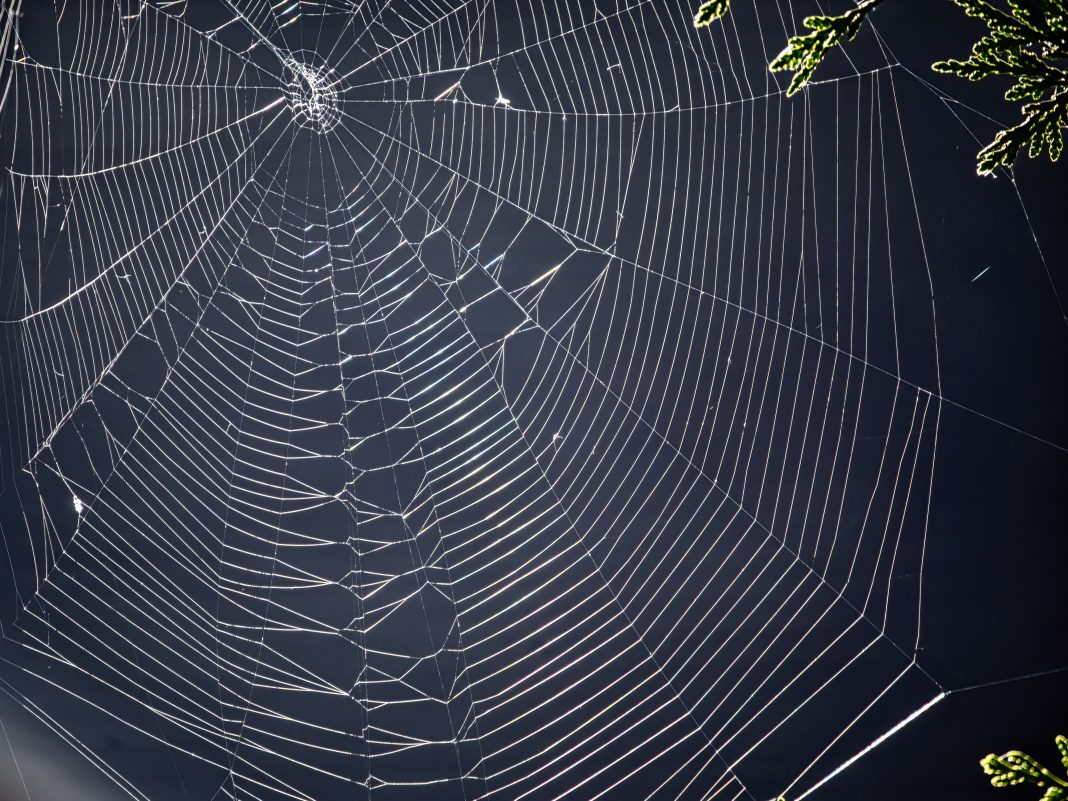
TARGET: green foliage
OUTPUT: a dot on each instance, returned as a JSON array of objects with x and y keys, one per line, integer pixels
[
  {"x": 804, "y": 53},
  {"x": 1016, "y": 767},
  {"x": 1027, "y": 41},
  {"x": 710, "y": 11}
]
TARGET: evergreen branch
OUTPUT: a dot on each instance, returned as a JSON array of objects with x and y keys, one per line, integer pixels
[
  {"x": 1041, "y": 129},
  {"x": 804, "y": 53},
  {"x": 1016, "y": 767},
  {"x": 1027, "y": 40},
  {"x": 710, "y": 11}
]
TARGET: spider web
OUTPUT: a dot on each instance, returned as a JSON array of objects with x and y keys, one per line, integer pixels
[{"x": 459, "y": 400}]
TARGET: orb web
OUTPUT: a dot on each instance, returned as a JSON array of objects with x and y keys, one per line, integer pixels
[
  {"x": 459, "y": 400},
  {"x": 312, "y": 97}
]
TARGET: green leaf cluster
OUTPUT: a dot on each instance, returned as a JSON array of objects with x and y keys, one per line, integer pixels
[
  {"x": 804, "y": 53},
  {"x": 710, "y": 11},
  {"x": 1028, "y": 42},
  {"x": 1016, "y": 767}
]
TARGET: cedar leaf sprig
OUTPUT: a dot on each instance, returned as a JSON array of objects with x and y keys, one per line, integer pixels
[
  {"x": 1016, "y": 767},
  {"x": 709, "y": 12},
  {"x": 1028, "y": 42},
  {"x": 804, "y": 53}
]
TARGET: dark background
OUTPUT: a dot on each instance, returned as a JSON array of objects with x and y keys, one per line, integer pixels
[
  {"x": 999, "y": 545},
  {"x": 995, "y": 603}
]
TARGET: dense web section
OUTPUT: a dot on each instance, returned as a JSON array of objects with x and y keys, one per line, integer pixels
[{"x": 459, "y": 399}]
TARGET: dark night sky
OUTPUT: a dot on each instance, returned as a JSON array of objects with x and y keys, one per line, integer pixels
[
  {"x": 741, "y": 277},
  {"x": 998, "y": 510}
]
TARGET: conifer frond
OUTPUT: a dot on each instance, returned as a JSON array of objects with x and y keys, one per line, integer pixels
[
  {"x": 1016, "y": 767},
  {"x": 1028, "y": 42},
  {"x": 804, "y": 53},
  {"x": 710, "y": 11}
]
